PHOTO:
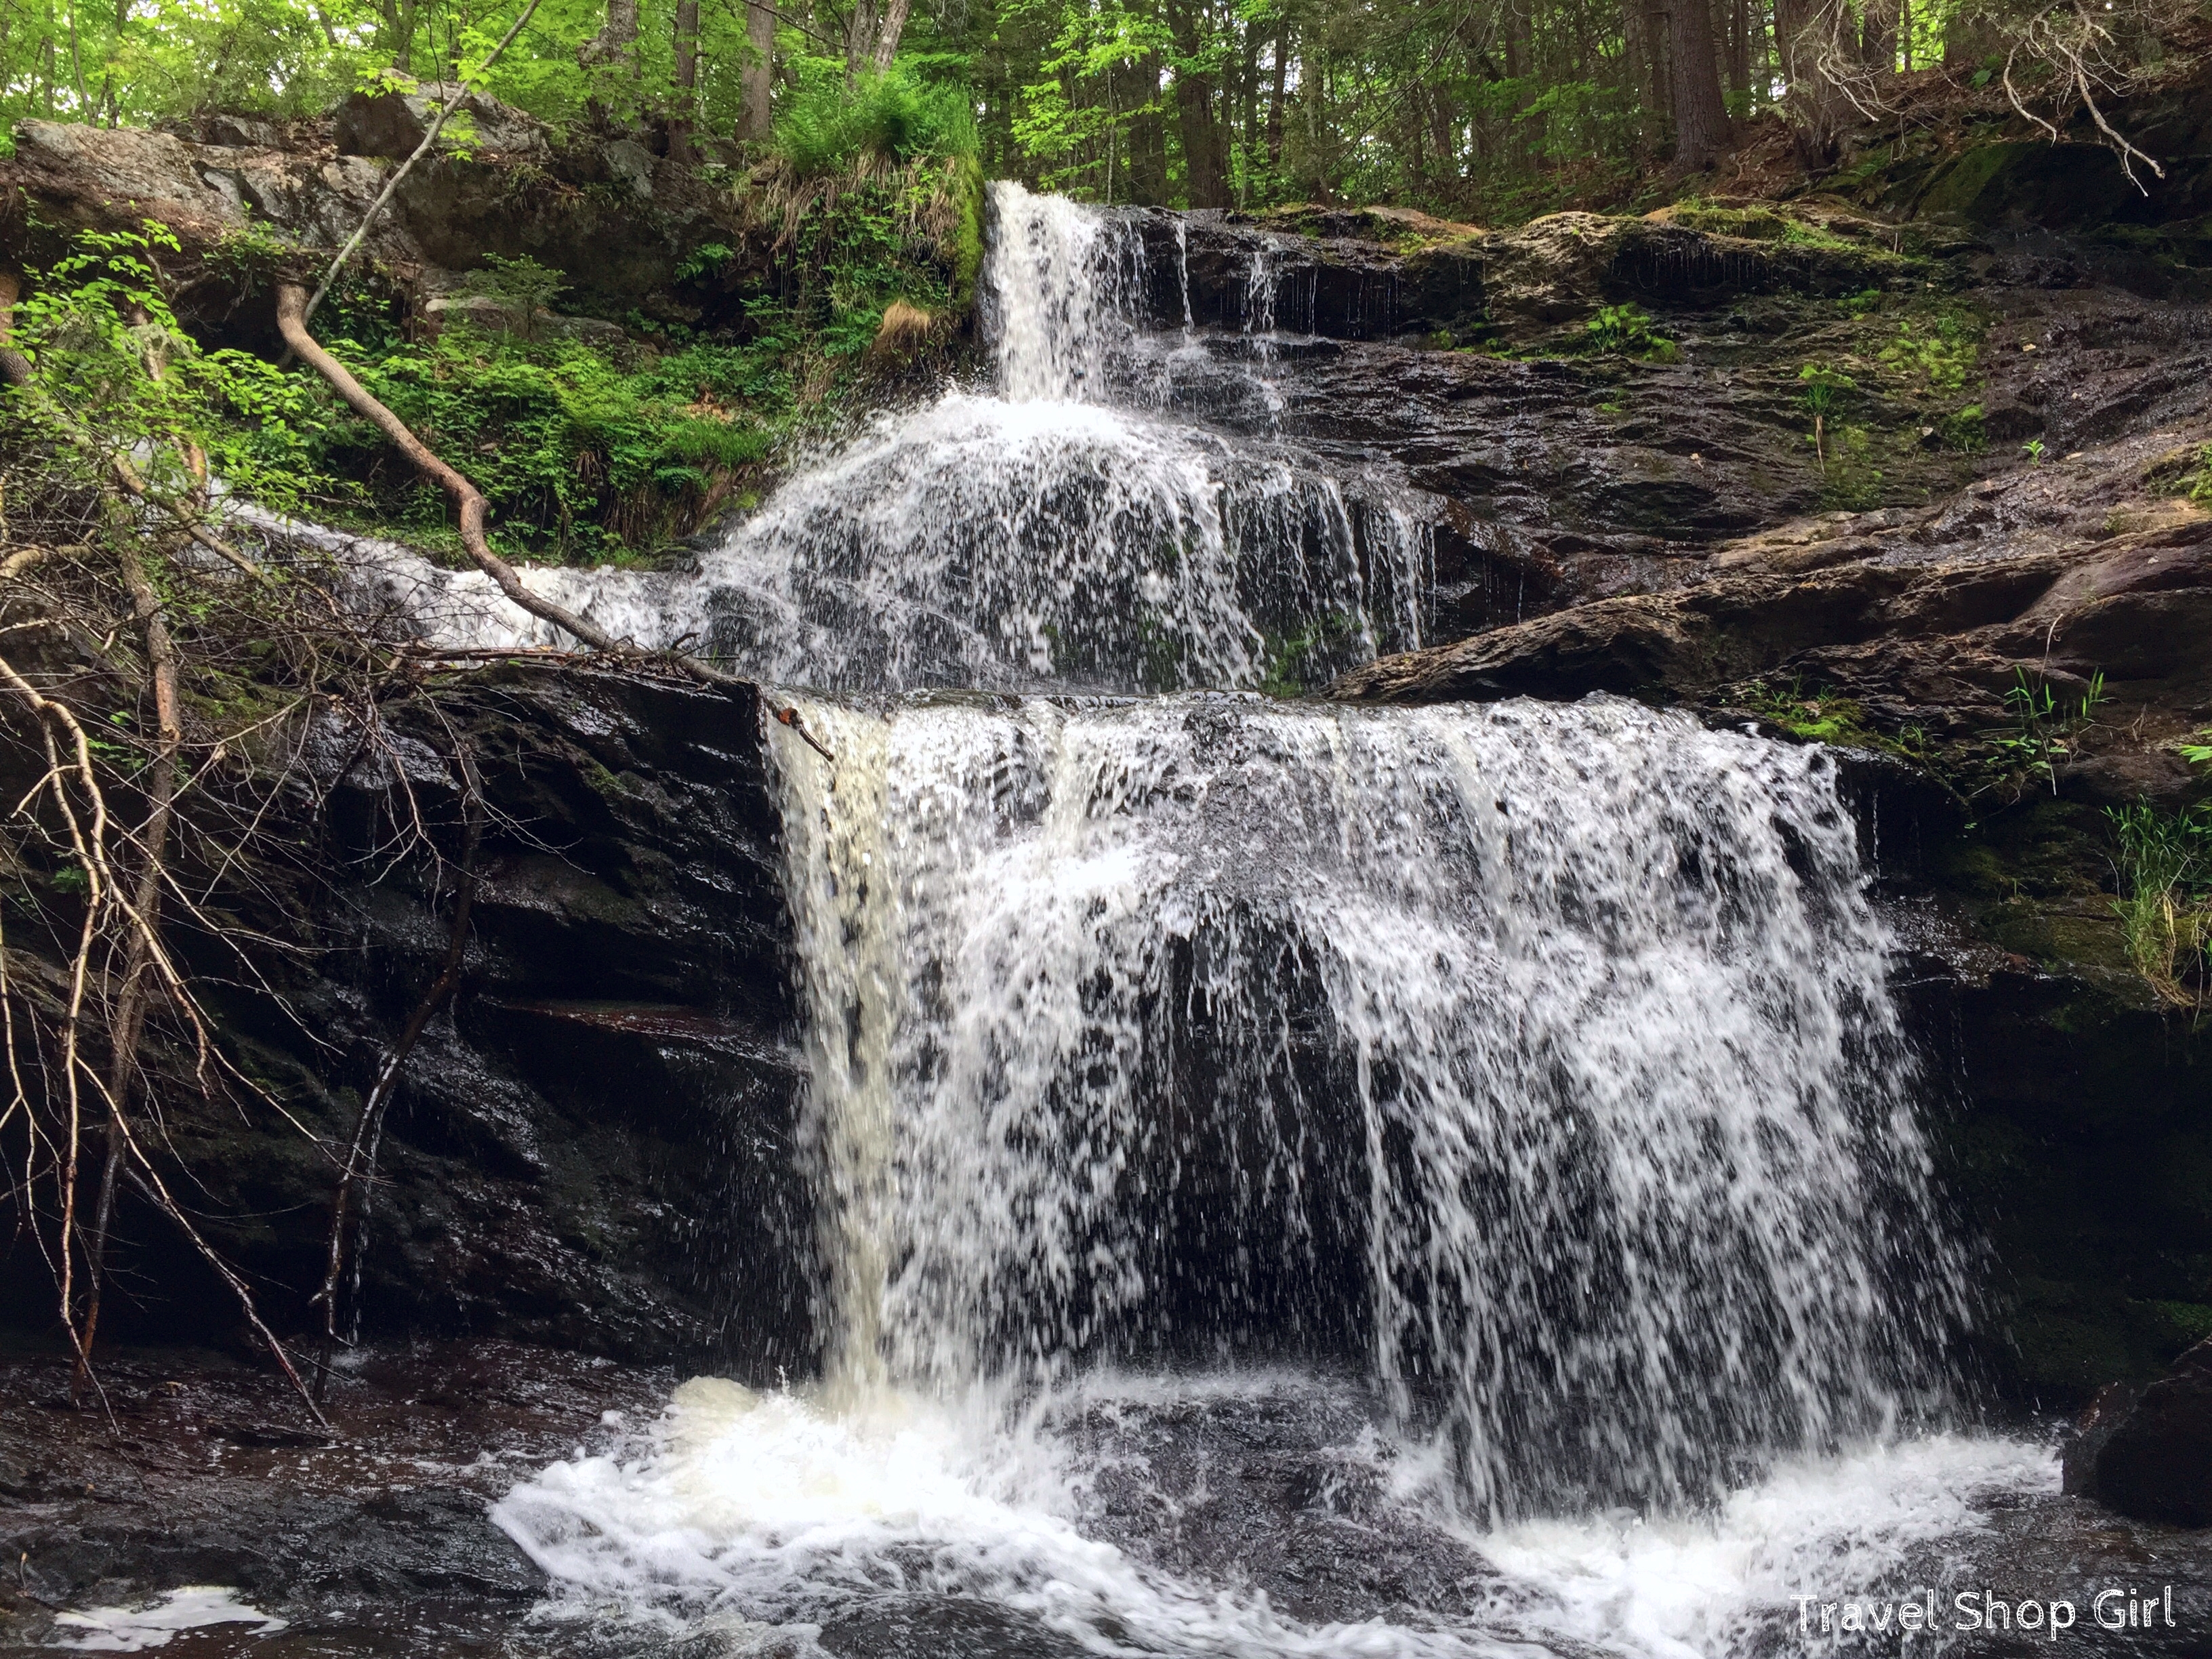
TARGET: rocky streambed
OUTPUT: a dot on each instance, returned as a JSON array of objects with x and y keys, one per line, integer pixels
[{"x": 589, "y": 1184}]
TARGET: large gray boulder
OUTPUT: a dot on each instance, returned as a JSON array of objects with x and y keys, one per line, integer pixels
[{"x": 391, "y": 124}]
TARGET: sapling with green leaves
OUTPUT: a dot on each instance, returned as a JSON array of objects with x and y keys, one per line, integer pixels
[{"x": 1823, "y": 387}]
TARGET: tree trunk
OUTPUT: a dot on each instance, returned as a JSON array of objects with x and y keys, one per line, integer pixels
[
  {"x": 1313, "y": 94},
  {"x": 1205, "y": 180},
  {"x": 1701, "y": 123},
  {"x": 1275, "y": 96},
  {"x": 1245, "y": 128},
  {"x": 860, "y": 39},
  {"x": 687, "y": 80},
  {"x": 1814, "y": 98},
  {"x": 399, "y": 32},
  {"x": 1147, "y": 162},
  {"x": 1877, "y": 40},
  {"x": 889, "y": 31},
  {"x": 1740, "y": 49},
  {"x": 617, "y": 40},
  {"x": 686, "y": 52},
  {"x": 1645, "y": 27},
  {"x": 757, "y": 80}
]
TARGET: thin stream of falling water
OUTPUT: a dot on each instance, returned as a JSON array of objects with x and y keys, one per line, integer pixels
[{"x": 838, "y": 844}]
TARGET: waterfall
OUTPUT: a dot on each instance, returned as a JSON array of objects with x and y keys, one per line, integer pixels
[
  {"x": 1058, "y": 528},
  {"x": 1253, "y": 1138},
  {"x": 1541, "y": 1057}
]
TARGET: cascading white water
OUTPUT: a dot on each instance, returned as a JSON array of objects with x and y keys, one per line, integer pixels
[
  {"x": 1540, "y": 1055},
  {"x": 1056, "y": 530},
  {"x": 1476, "y": 1139}
]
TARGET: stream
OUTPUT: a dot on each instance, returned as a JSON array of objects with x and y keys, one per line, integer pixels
[
  {"x": 1288, "y": 1178},
  {"x": 1291, "y": 1179}
]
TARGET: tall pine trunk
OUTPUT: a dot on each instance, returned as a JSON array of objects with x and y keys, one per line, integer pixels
[
  {"x": 1878, "y": 40},
  {"x": 1701, "y": 123},
  {"x": 1815, "y": 100},
  {"x": 1206, "y": 176},
  {"x": 1275, "y": 96},
  {"x": 687, "y": 79},
  {"x": 757, "y": 80}
]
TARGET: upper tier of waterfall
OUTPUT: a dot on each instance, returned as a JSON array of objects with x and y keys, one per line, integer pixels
[{"x": 1058, "y": 528}]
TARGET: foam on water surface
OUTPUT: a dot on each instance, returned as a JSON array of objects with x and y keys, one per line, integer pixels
[
  {"x": 134, "y": 1630},
  {"x": 790, "y": 1510}
]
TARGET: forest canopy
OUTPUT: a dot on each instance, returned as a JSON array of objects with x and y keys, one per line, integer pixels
[{"x": 1478, "y": 108}]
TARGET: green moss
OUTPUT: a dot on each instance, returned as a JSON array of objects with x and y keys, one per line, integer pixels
[
  {"x": 1750, "y": 224},
  {"x": 967, "y": 235},
  {"x": 2173, "y": 1328},
  {"x": 1817, "y": 716},
  {"x": 2186, "y": 471}
]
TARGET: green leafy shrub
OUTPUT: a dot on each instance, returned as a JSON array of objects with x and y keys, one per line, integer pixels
[
  {"x": 94, "y": 323},
  {"x": 576, "y": 456},
  {"x": 2186, "y": 472},
  {"x": 2044, "y": 728},
  {"x": 825, "y": 128},
  {"x": 522, "y": 283},
  {"x": 1627, "y": 329},
  {"x": 1823, "y": 387},
  {"x": 1962, "y": 429}
]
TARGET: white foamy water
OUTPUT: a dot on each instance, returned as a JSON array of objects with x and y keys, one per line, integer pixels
[
  {"x": 783, "y": 1513},
  {"x": 1541, "y": 1057},
  {"x": 134, "y": 1630},
  {"x": 1056, "y": 528}
]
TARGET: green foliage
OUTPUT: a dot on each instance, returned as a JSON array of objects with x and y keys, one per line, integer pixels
[
  {"x": 1823, "y": 387},
  {"x": 2033, "y": 449},
  {"x": 2164, "y": 861},
  {"x": 1296, "y": 662},
  {"x": 1946, "y": 348},
  {"x": 113, "y": 360},
  {"x": 576, "y": 456},
  {"x": 707, "y": 260},
  {"x": 2186, "y": 472},
  {"x": 861, "y": 243},
  {"x": 1823, "y": 717},
  {"x": 826, "y": 128},
  {"x": 2044, "y": 727},
  {"x": 1627, "y": 330},
  {"x": 1962, "y": 430},
  {"x": 522, "y": 283}
]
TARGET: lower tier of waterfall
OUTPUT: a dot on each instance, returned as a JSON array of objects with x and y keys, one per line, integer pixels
[
  {"x": 1260, "y": 1143},
  {"x": 1264, "y": 1513},
  {"x": 1539, "y": 1058}
]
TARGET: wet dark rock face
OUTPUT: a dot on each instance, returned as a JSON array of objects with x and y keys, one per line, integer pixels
[
  {"x": 2156, "y": 1462},
  {"x": 1275, "y": 1492},
  {"x": 592, "y": 1145}
]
